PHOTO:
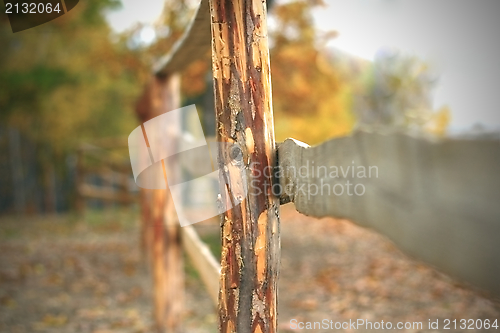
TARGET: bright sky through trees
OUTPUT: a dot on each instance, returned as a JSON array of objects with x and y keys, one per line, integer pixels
[
  {"x": 133, "y": 11},
  {"x": 457, "y": 38}
]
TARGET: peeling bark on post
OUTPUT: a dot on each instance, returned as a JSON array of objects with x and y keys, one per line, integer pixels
[
  {"x": 158, "y": 259},
  {"x": 170, "y": 296},
  {"x": 161, "y": 228},
  {"x": 144, "y": 112},
  {"x": 250, "y": 230}
]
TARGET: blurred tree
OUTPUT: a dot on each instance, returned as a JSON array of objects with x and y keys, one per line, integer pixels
[
  {"x": 311, "y": 102},
  {"x": 169, "y": 28},
  {"x": 398, "y": 94},
  {"x": 65, "y": 81},
  {"x": 439, "y": 121}
]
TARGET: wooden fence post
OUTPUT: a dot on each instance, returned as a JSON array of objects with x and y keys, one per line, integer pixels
[
  {"x": 168, "y": 267},
  {"x": 250, "y": 230}
]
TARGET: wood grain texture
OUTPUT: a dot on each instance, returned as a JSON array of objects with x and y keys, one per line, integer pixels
[
  {"x": 250, "y": 230},
  {"x": 162, "y": 232},
  {"x": 203, "y": 260},
  {"x": 438, "y": 201},
  {"x": 193, "y": 45}
]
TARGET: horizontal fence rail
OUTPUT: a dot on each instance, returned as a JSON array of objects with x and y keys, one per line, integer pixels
[
  {"x": 108, "y": 168},
  {"x": 203, "y": 260},
  {"x": 436, "y": 200},
  {"x": 193, "y": 45}
]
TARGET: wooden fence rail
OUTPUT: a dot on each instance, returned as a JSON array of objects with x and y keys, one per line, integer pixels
[
  {"x": 203, "y": 260},
  {"x": 435, "y": 199},
  {"x": 115, "y": 175},
  {"x": 193, "y": 45}
]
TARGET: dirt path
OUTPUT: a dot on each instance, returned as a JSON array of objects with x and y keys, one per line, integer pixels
[
  {"x": 61, "y": 274},
  {"x": 332, "y": 269}
]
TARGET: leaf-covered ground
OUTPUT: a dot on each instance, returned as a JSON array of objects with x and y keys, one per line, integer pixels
[{"x": 67, "y": 274}]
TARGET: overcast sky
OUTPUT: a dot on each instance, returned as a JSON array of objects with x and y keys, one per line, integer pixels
[
  {"x": 132, "y": 11},
  {"x": 458, "y": 37}
]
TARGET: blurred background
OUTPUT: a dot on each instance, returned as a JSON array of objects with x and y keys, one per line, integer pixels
[
  {"x": 70, "y": 252},
  {"x": 335, "y": 67}
]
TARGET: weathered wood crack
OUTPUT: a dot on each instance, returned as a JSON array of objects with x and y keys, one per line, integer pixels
[{"x": 250, "y": 240}]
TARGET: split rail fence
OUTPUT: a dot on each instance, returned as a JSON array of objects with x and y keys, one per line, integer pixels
[
  {"x": 100, "y": 176},
  {"x": 435, "y": 199}
]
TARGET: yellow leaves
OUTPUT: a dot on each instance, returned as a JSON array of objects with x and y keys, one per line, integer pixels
[
  {"x": 54, "y": 121},
  {"x": 323, "y": 65},
  {"x": 311, "y": 103},
  {"x": 439, "y": 121},
  {"x": 67, "y": 81},
  {"x": 50, "y": 320}
]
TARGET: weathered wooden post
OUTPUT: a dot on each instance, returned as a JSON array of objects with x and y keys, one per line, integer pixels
[
  {"x": 168, "y": 267},
  {"x": 144, "y": 112},
  {"x": 163, "y": 230},
  {"x": 250, "y": 230}
]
